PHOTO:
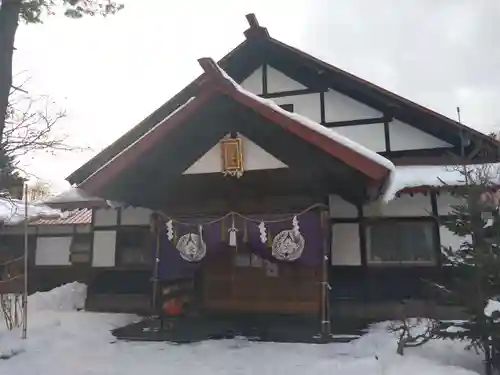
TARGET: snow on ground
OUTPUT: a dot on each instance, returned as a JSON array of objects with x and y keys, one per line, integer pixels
[{"x": 62, "y": 340}]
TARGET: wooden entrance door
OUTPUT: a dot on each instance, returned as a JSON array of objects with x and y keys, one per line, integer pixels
[{"x": 239, "y": 282}]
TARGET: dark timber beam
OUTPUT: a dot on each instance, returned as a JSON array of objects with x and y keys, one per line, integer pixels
[
  {"x": 366, "y": 121},
  {"x": 282, "y": 94}
]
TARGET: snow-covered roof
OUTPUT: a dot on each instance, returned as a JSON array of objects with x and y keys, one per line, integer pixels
[
  {"x": 357, "y": 156},
  {"x": 78, "y": 216},
  {"x": 12, "y": 211},
  {"x": 318, "y": 128},
  {"x": 73, "y": 194},
  {"x": 432, "y": 176}
]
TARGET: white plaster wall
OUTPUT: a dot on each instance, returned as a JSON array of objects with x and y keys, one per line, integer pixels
[
  {"x": 253, "y": 82},
  {"x": 307, "y": 105},
  {"x": 340, "y": 107},
  {"x": 278, "y": 82},
  {"x": 371, "y": 136},
  {"x": 341, "y": 209},
  {"x": 404, "y": 206},
  {"x": 135, "y": 216},
  {"x": 444, "y": 202},
  {"x": 105, "y": 217},
  {"x": 254, "y": 158},
  {"x": 53, "y": 251},
  {"x": 407, "y": 137},
  {"x": 104, "y": 248},
  {"x": 345, "y": 245}
]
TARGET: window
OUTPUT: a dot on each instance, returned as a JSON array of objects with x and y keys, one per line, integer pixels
[
  {"x": 287, "y": 107},
  {"x": 80, "y": 249},
  {"x": 133, "y": 246},
  {"x": 411, "y": 242}
]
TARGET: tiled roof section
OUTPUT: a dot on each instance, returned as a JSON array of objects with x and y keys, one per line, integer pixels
[{"x": 79, "y": 216}]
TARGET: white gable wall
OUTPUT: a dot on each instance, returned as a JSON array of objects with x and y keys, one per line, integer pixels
[
  {"x": 407, "y": 137},
  {"x": 340, "y": 107},
  {"x": 254, "y": 158},
  {"x": 253, "y": 82},
  {"x": 307, "y": 105},
  {"x": 279, "y": 82},
  {"x": 371, "y": 135}
]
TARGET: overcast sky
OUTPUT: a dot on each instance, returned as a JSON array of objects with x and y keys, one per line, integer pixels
[{"x": 110, "y": 73}]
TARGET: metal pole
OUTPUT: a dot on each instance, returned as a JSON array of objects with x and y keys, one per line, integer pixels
[
  {"x": 25, "y": 292},
  {"x": 156, "y": 224},
  {"x": 325, "y": 310}
]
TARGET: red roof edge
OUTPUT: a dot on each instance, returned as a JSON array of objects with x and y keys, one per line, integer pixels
[
  {"x": 338, "y": 150},
  {"x": 217, "y": 82},
  {"x": 127, "y": 157}
]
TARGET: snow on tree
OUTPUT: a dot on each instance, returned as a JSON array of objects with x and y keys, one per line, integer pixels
[{"x": 476, "y": 263}]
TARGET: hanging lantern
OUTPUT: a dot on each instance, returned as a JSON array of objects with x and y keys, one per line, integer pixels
[{"x": 232, "y": 156}]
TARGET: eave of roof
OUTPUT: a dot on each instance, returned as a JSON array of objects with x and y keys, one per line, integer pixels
[
  {"x": 375, "y": 167},
  {"x": 258, "y": 34}
]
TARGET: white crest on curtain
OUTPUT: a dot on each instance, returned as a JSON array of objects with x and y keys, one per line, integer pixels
[
  {"x": 192, "y": 247},
  {"x": 288, "y": 245}
]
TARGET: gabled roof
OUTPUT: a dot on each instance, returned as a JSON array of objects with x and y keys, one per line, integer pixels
[
  {"x": 254, "y": 51},
  {"x": 375, "y": 167}
]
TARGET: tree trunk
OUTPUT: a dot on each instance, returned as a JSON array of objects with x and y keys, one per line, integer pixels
[{"x": 9, "y": 16}]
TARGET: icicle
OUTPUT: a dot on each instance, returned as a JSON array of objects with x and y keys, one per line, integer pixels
[
  {"x": 170, "y": 230},
  {"x": 263, "y": 233},
  {"x": 232, "y": 234},
  {"x": 245, "y": 231}
]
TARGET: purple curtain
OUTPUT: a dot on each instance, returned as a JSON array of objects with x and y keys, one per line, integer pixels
[{"x": 216, "y": 237}]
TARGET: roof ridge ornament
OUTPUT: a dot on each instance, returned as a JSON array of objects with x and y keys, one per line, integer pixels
[{"x": 255, "y": 30}]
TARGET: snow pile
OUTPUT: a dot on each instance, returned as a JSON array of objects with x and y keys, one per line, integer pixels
[
  {"x": 64, "y": 341},
  {"x": 12, "y": 211},
  {"x": 68, "y": 297}
]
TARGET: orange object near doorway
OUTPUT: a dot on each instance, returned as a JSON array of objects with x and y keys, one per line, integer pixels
[{"x": 172, "y": 307}]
